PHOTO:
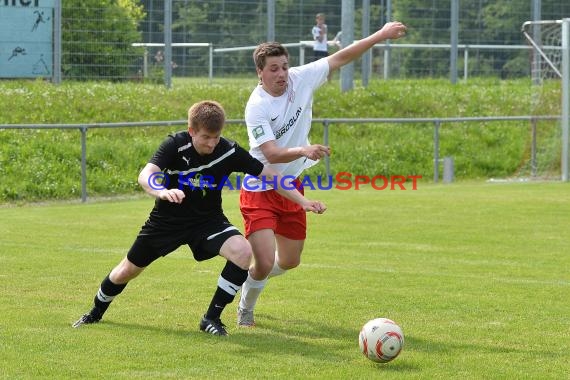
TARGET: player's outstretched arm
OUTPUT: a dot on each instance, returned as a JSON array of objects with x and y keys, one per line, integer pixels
[
  {"x": 390, "y": 31},
  {"x": 289, "y": 191},
  {"x": 276, "y": 154},
  {"x": 149, "y": 181}
]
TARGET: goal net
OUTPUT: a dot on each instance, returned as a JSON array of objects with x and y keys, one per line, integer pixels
[{"x": 548, "y": 56}]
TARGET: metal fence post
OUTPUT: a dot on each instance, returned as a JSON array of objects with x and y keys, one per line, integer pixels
[
  {"x": 454, "y": 40},
  {"x": 210, "y": 62},
  {"x": 326, "y": 143},
  {"x": 57, "y": 33},
  {"x": 466, "y": 63},
  {"x": 436, "y": 151},
  {"x": 168, "y": 43},
  {"x": 533, "y": 148},
  {"x": 448, "y": 170},
  {"x": 83, "y": 164},
  {"x": 145, "y": 63},
  {"x": 565, "y": 112}
]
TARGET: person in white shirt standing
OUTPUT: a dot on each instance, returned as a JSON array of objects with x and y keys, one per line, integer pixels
[
  {"x": 278, "y": 117},
  {"x": 319, "y": 32}
]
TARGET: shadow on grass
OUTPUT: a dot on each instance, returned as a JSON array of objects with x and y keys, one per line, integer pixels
[
  {"x": 183, "y": 330},
  {"x": 275, "y": 336},
  {"x": 305, "y": 337},
  {"x": 417, "y": 344}
]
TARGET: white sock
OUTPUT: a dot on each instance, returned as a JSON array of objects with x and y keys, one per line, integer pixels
[
  {"x": 277, "y": 270},
  {"x": 250, "y": 291}
]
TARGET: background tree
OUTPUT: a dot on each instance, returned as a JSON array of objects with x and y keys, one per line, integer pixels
[{"x": 102, "y": 31}]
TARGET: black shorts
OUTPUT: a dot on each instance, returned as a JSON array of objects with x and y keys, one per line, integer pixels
[
  {"x": 157, "y": 240},
  {"x": 318, "y": 54}
]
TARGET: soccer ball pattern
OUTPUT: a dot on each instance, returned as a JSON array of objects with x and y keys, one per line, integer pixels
[{"x": 381, "y": 340}]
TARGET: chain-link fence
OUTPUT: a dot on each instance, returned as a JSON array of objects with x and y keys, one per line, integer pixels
[{"x": 123, "y": 40}]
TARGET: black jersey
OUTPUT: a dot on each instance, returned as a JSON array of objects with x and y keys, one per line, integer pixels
[{"x": 202, "y": 178}]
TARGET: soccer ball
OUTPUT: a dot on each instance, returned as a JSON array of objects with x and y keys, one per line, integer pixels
[{"x": 381, "y": 340}]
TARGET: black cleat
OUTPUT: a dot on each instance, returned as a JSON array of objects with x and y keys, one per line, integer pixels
[
  {"x": 213, "y": 326},
  {"x": 85, "y": 320}
]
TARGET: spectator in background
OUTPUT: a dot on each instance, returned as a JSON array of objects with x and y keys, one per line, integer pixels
[
  {"x": 319, "y": 32},
  {"x": 159, "y": 57}
]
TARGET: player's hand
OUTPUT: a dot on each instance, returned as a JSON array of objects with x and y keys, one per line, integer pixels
[
  {"x": 317, "y": 151},
  {"x": 172, "y": 195},
  {"x": 315, "y": 206},
  {"x": 394, "y": 30}
]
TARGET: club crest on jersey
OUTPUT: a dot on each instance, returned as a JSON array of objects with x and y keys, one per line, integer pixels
[
  {"x": 199, "y": 182},
  {"x": 258, "y": 132},
  {"x": 291, "y": 97}
]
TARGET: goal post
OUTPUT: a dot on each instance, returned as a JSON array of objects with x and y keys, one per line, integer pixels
[
  {"x": 550, "y": 41},
  {"x": 565, "y": 95}
]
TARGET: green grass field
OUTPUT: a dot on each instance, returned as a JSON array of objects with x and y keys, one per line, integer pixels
[{"x": 475, "y": 273}]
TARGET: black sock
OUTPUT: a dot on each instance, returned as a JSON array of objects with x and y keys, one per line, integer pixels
[
  {"x": 107, "y": 292},
  {"x": 230, "y": 281}
]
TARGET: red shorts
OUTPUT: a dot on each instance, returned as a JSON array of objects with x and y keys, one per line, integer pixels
[{"x": 269, "y": 210}]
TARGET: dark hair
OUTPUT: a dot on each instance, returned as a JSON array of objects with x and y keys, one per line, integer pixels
[
  {"x": 268, "y": 49},
  {"x": 208, "y": 114}
]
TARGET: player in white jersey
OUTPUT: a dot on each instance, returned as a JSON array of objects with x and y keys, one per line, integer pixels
[
  {"x": 286, "y": 119},
  {"x": 278, "y": 116}
]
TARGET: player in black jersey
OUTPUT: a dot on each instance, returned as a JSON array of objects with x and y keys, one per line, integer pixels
[{"x": 186, "y": 175}]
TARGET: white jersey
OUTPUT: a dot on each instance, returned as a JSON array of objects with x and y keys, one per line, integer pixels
[
  {"x": 319, "y": 45},
  {"x": 285, "y": 119}
]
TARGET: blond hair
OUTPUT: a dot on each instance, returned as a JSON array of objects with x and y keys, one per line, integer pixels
[{"x": 207, "y": 114}]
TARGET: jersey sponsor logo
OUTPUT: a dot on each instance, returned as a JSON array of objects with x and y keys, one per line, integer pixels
[
  {"x": 289, "y": 124},
  {"x": 187, "y": 160},
  {"x": 258, "y": 132},
  {"x": 274, "y": 118},
  {"x": 184, "y": 147}
]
